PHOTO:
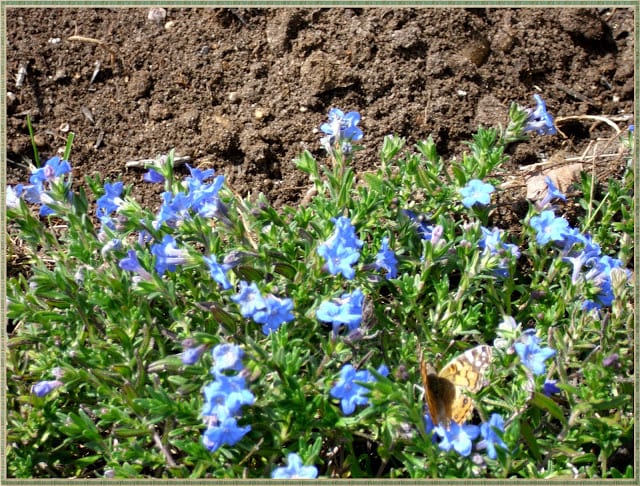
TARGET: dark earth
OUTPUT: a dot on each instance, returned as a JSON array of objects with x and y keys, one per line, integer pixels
[{"x": 245, "y": 90}]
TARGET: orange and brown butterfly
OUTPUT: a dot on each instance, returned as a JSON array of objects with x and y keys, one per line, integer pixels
[{"x": 445, "y": 391}]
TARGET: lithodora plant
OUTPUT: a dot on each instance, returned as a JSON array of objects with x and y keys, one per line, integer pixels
[{"x": 379, "y": 329}]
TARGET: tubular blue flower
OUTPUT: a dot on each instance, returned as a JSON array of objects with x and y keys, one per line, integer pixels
[
  {"x": 550, "y": 388},
  {"x": 174, "y": 209},
  {"x": 153, "y": 176},
  {"x": 43, "y": 388},
  {"x": 552, "y": 193},
  {"x": 52, "y": 169},
  {"x": 341, "y": 125},
  {"x": 227, "y": 357},
  {"x": 491, "y": 432},
  {"x": 599, "y": 276},
  {"x": 168, "y": 255},
  {"x": 200, "y": 175},
  {"x": 492, "y": 243},
  {"x": 249, "y": 299},
  {"x": 549, "y": 227},
  {"x": 294, "y": 469},
  {"x": 130, "y": 263},
  {"x": 218, "y": 272},
  {"x": 226, "y": 395},
  {"x": 204, "y": 197},
  {"x": 350, "y": 393},
  {"x": 191, "y": 355},
  {"x": 276, "y": 312},
  {"x": 110, "y": 201},
  {"x": 341, "y": 249},
  {"x": 422, "y": 224},
  {"x": 386, "y": 260},
  {"x": 227, "y": 432},
  {"x": 347, "y": 311},
  {"x": 531, "y": 354},
  {"x": 476, "y": 192},
  {"x": 458, "y": 437},
  {"x": 539, "y": 120}
]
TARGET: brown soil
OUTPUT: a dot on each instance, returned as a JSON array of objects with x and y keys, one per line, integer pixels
[{"x": 245, "y": 90}]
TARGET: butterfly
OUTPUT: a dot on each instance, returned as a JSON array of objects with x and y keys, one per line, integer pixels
[{"x": 444, "y": 392}]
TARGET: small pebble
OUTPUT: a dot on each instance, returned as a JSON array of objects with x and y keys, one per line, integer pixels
[
  {"x": 157, "y": 15},
  {"x": 233, "y": 97},
  {"x": 169, "y": 25}
]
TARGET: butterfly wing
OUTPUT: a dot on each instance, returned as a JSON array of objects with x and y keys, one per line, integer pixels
[
  {"x": 466, "y": 373},
  {"x": 467, "y": 370},
  {"x": 439, "y": 394}
]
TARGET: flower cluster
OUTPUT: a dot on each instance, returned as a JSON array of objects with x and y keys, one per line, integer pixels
[
  {"x": 269, "y": 310},
  {"x": 345, "y": 311},
  {"x": 200, "y": 198},
  {"x": 41, "y": 181},
  {"x": 583, "y": 253},
  {"x": 348, "y": 389},
  {"x": 460, "y": 437},
  {"x": 340, "y": 130},
  {"x": 224, "y": 398},
  {"x": 341, "y": 250},
  {"x": 295, "y": 469}
]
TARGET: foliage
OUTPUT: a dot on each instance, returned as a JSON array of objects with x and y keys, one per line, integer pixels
[{"x": 219, "y": 336}]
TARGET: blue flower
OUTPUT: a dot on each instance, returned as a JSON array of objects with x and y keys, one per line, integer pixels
[
  {"x": 43, "y": 388},
  {"x": 226, "y": 432},
  {"x": 200, "y": 175},
  {"x": 347, "y": 311},
  {"x": 342, "y": 126},
  {"x": 174, "y": 208},
  {"x": 218, "y": 272},
  {"x": 295, "y": 469},
  {"x": 110, "y": 201},
  {"x": 386, "y": 260},
  {"x": 191, "y": 355},
  {"x": 276, "y": 312},
  {"x": 539, "y": 120},
  {"x": 226, "y": 395},
  {"x": 153, "y": 176},
  {"x": 552, "y": 192},
  {"x": 341, "y": 249},
  {"x": 53, "y": 168},
  {"x": 168, "y": 255},
  {"x": 531, "y": 354},
  {"x": 350, "y": 393},
  {"x": 130, "y": 263},
  {"x": 550, "y": 388},
  {"x": 549, "y": 227},
  {"x": 458, "y": 437},
  {"x": 204, "y": 197},
  {"x": 249, "y": 299},
  {"x": 491, "y": 432},
  {"x": 227, "y": 357},
  {"x": 476, "y": 192}
]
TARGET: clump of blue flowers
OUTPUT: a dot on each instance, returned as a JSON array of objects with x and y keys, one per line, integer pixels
[
  {"x": 349, "y": 390},
  {"x": 224, "y": 398}
]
